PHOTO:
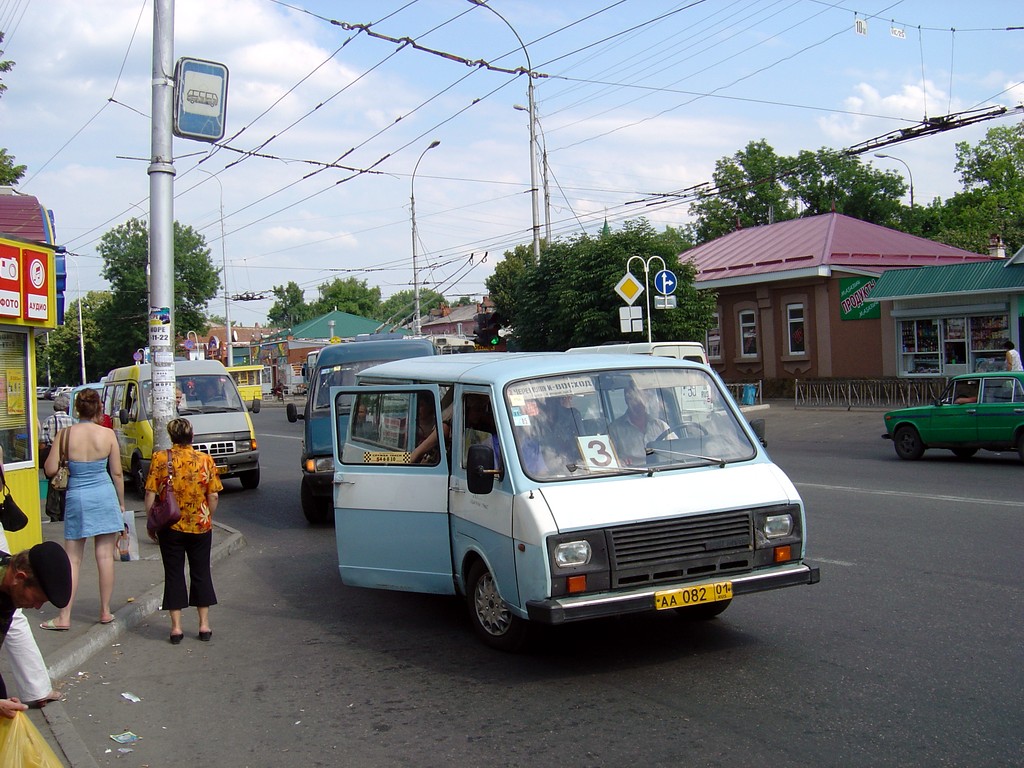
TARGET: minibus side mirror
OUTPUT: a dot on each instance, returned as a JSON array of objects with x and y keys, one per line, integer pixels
[
  {"x": 123, "y": 415},
  {"x": 255, "y": 407},
  {"x": 292, "y": 412},
  {"x": 480, "y": 469},
  {"x": 760, "y": 430}
]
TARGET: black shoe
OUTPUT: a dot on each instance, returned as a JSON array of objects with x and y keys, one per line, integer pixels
[
  {"x": 176, "y": 639},
  {"x": 205, "y": 636}
]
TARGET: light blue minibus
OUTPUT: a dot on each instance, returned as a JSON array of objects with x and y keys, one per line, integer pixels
[{"x": 559, "y": 488}]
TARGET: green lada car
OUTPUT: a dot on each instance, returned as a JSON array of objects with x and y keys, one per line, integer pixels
[{"x": 975, "y": 411}]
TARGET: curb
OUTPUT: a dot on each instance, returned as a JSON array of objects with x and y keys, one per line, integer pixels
[{"x": 63, "y": 730}]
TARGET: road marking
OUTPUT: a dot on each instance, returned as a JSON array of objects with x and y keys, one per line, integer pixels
[
  {"x": 831, "y": 562},
  {"x": 283, "y": 437},
  {"x": 909, "y": 494}
]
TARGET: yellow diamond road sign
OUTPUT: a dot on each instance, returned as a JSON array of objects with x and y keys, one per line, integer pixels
[{"x": 629, "y": 288}]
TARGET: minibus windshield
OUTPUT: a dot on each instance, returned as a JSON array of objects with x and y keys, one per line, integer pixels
[
  {"x": 619, "y": 422},
  {"x": 202, "y": 393}
]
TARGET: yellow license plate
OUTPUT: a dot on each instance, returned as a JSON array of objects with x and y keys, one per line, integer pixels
[{"x": 703, "y": 593}]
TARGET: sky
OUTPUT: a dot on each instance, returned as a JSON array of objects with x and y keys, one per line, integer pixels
[{"x": 332, "y": 106}]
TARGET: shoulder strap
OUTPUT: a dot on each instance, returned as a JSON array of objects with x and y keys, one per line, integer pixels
[{"x": 65, "y": 435}]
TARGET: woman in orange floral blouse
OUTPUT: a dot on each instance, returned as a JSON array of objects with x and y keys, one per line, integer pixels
[{"x": 196, "y": 488}]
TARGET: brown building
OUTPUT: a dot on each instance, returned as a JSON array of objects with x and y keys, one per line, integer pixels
[{"x": 792, "y": 297}]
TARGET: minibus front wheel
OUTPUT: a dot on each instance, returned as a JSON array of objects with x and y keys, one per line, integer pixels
[
  {"x": 137, "y": 475},
  {"x": 492, "y": 620}
]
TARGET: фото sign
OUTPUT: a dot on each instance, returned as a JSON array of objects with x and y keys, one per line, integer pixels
[{"x": 853, "y": 295}]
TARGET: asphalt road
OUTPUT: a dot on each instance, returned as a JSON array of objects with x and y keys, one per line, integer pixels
[{"x": 907, "y": 653}]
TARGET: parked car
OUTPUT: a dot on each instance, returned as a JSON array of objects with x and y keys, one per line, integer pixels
[
  {"x": 41, "y": 392},
  {"x": 974, "y": 412}
]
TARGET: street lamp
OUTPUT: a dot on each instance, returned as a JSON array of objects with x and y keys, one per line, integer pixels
[
  {"x": 224, "y": 262},
  {"x": 533, "y": 130},
  {"x": 911, "y": 175},
  {"x": 81, "y": 330},
  {"x": 415, "y": 263}
]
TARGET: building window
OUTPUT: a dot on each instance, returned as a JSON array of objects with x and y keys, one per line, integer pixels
[
  {"x": 795, "y": 326},
  {"x": 713, "y": 338},
  {"x": 748, "y": 333}
]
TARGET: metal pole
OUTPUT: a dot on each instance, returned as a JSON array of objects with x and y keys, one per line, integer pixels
[
  {"x": 534, "y": 192},
  {"x": 161, "y": 228},
  {"x": 81, "y": 330},
  {"x": 416, "y": 327},
  {"x": 909, "y": 173}
]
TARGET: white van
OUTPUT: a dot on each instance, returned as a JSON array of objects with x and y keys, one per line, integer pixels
[
  {"x": 562, "y": 488},
  {"x": 681, "y": 350}
]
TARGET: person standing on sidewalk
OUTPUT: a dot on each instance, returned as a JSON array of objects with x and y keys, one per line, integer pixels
[
  {"x": 95, "y": 501},
  {"x": 54, "y": 423},
  {"x": 196, "y": 487},
  {"x": 27, "y": 580}
]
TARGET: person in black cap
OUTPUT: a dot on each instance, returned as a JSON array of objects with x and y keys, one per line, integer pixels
[{"x": 29, "y": 579}]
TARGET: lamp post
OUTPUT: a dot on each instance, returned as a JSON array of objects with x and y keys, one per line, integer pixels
[
  {"x": 909, "y": 174},
  {"x": 533, "y": 130},
  {"x": 81, "y": 330},
  {"x": 415, "y": 263},
  {"x": 224, "y": 267}
]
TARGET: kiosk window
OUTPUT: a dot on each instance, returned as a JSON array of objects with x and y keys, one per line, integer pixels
[{"x": 15, "y": 433}]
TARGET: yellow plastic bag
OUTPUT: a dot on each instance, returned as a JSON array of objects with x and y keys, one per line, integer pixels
[{"x": 23, "y": 746}]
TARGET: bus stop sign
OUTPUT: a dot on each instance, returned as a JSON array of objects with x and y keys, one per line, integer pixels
[{"x": 200, "y": 99}]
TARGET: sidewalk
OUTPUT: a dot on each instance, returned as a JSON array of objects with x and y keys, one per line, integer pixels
[{"x": 138, "y": 589}]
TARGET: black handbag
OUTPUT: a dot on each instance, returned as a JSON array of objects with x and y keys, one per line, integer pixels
[{"x": 11, "y": 516}]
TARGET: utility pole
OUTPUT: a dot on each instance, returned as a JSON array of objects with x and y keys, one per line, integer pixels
[{"x": 161, "y": 224}]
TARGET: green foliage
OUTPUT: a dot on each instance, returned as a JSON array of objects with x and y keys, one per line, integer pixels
[
  {"x": 348, "y": 295},
  {"x": 290, "y": 308},
  {"x": 756, "y": 186},
  {"x": 123, "y": 321},
  {"x": 568, "y": 298},
  {"x": 749, "y": 192},
  {"x": 398, "y": 308},
  {"x": 60, "y": 348},
  {"x": 10, "y": 174},
  {"x": 992, "y": 201}
]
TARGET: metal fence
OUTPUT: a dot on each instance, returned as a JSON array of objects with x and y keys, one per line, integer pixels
[{"x": 866, "y": 393}]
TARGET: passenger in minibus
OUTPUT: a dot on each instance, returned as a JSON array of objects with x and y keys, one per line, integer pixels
[{"x": 634, "y": 429}]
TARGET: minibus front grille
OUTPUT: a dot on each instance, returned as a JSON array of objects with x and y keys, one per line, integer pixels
[
  {"x": 217, "y": 448},
  {"x": 684, "y": 547}
]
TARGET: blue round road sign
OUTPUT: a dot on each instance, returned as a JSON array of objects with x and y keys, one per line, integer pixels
[{"x": 665, "y": 282}]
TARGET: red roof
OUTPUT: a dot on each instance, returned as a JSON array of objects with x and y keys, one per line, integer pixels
[
  {"x": 817, "y": 243},
  {"x": 22, "y": 217}
]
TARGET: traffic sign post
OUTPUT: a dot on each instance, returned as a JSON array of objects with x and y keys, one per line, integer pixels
[{"x": 664, "y": 282}]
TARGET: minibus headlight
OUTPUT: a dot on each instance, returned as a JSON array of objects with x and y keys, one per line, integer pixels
[
  {"x": 778, "y": 526},
  {"x": 572, "y": 553}
]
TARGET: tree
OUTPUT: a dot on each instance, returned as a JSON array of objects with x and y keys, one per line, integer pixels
[
  {"x": 826, "y": 181},
  {"x": 123, "y": 322},
  {"x": 61, "y": 351},
  {"x": 348, "y": 295},
  {"x": 992, "y": 201},
  {"x": 567, "y": 299},
  {"x": 10, "y": 174},
  {"x": 748, "y": 192},
  {"x": 290, "y": 308},
  {"x": 399, "y": 306},
  {"x": 756, "y": 186}
]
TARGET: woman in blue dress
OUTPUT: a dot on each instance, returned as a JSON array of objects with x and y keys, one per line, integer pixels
[{"x": 95, "y": 500}]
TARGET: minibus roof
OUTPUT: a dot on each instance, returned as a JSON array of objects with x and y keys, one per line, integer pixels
[{"x": 499, "y": 368}]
